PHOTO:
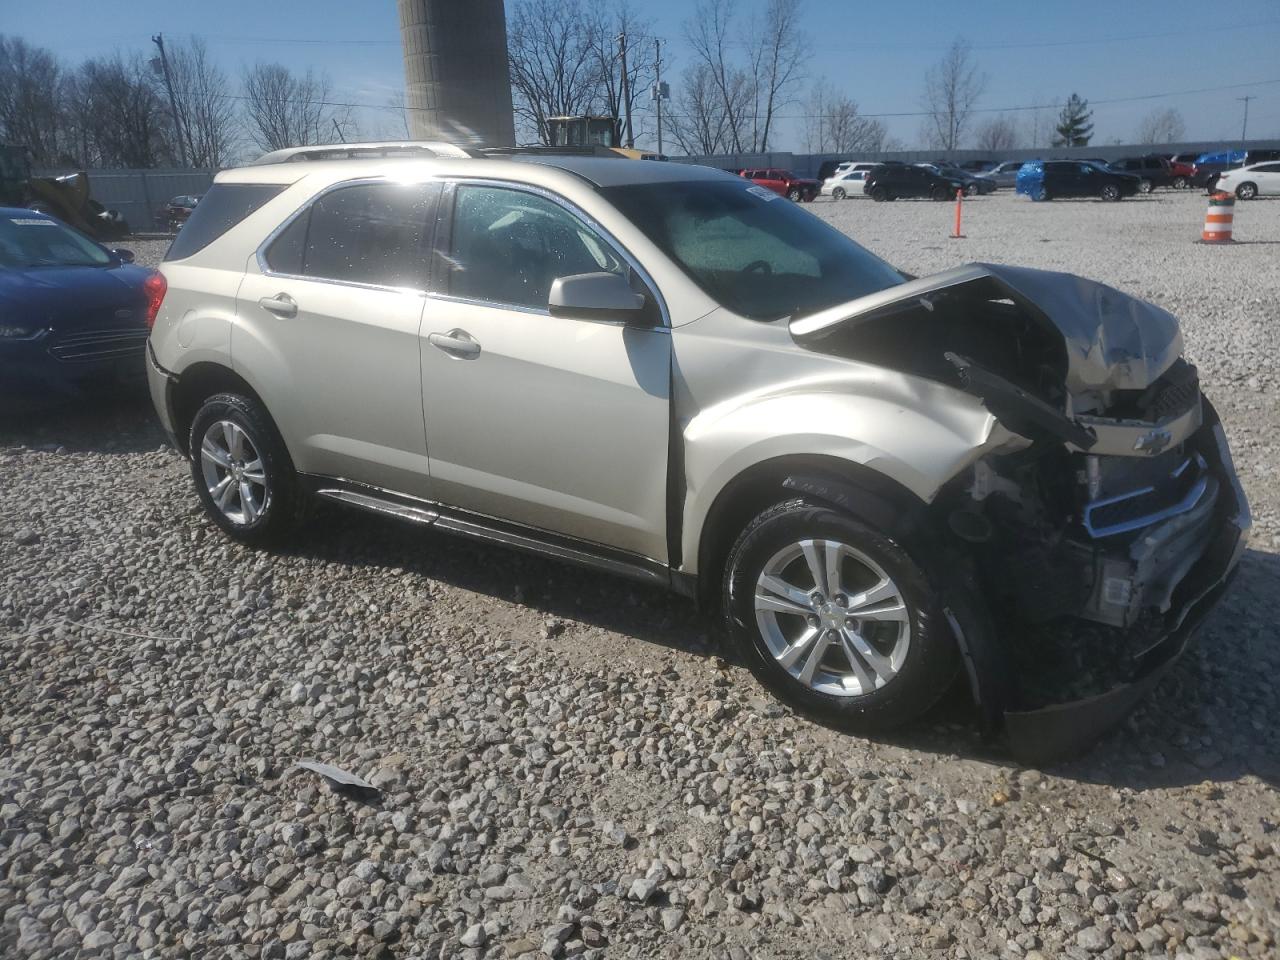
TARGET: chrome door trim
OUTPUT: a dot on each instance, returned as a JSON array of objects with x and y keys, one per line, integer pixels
[
  {"x": 489, "y": 529},
  {"x": 580, "y": 214}
]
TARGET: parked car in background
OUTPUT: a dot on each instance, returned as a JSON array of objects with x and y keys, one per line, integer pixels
[
  {"x": 1054, "y": 179},
  {"x": 174, "y": 213},
  {"x": 894, "y": 181},
  {"x": 979, "y": 166},
  {"x": 783, "y": 182},
  {"x": 848, "y": 181},
  {"x": 1151, "y": 171},
  {"x": 1005, "y": 174},
  {"x": 873, "y": 482},
  {"x": 73, "y": 314},
  {"x": 972, "y": 184},
  {"x": 1257, "y": 180},
  {"x": 1210, "y": 166},
  {"x": 1181, "y": 170}
]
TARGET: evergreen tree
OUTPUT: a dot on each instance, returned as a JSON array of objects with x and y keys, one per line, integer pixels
[{"x": 1075, "y": 126}]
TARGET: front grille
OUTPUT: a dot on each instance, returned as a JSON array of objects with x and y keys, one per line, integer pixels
[
  {"x": 82, "y": 346},
  {"x": 1173, "y": 494}
]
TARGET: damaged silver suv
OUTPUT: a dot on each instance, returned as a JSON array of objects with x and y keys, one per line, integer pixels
[{"x": 879, "y": 483}]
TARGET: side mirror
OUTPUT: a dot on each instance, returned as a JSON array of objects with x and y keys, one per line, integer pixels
[
  {"x": 596, "y": 296},
  {"x": 124, "y": 256}
]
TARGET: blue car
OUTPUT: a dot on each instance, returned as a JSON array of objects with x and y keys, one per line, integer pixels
[{"x": 73, "y": 314}]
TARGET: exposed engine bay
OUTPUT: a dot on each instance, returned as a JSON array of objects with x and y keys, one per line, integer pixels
[{"x": 1119, "y": 484}]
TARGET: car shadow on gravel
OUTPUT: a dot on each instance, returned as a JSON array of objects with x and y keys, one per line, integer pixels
[
  {"x": 118, "y": 420},
  {"x": 1193, "y": 727}
]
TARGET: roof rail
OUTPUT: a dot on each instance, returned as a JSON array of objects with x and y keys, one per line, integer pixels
[{"x": 355, "y": 151}]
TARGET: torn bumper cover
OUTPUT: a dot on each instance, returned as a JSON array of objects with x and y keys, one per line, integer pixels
[{"x": 1063, "y": 730}]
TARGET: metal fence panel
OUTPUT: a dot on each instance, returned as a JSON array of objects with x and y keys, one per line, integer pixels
[{"x": 138, "y": 193}]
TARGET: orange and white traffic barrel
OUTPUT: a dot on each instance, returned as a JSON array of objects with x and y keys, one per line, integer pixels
[{"x": 1217, "y": 221}]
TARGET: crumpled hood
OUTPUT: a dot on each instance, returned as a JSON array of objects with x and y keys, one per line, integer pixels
[{"x": 1113, "y": 341}]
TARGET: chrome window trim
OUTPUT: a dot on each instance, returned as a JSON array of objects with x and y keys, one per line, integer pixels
[
  {"x": 574, "y": 210},
  {"x": 261, "y": 253}
]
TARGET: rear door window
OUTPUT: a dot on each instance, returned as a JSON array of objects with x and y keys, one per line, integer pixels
[
  {"x": 373, "y": 233},
  {"x": 225, "y": 205}
]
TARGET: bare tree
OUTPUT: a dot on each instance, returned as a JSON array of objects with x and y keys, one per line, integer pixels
[
  {"x": 834, "y": 124},
  {"x": 777, "y": 51},
  {"x": 284, "y": 109},
  {"x": 123, "y": 121},
  {"x": 30, "y": 109},
  {"x": 205, "y": 105},
  {"x": 553, "y": 63},
  {"x": 997, "y": 135},
  {"x": 699, "y": 123},
  {"x": 709, "y": 34},
  {"x": 952, "y": 87},
  {"x": 607, "y": 24},
  {"x": 1162, "y": 126}
]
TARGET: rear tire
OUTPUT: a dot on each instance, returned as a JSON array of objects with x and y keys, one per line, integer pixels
[
  {"x": 971, "y": 190},
  {"x": 242, "y": 471},
  {"x": 1145, "y": 186},
  {"x": 1110, "y": 193},
  {"x": 1246, "y": 191},
  {"x": 868, "y": 649},
  {"x": 878, "y": 194},
  {"x": 1180, "y": 183},
  {"x": 794, "y": 195}
]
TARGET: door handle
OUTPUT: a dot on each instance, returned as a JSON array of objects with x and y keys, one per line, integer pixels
[
  {"x": 457, "y": 343},
  {"x": 282, "y": 305}
]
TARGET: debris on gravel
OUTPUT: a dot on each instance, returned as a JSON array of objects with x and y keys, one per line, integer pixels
[{"x": 564, "y": 765}]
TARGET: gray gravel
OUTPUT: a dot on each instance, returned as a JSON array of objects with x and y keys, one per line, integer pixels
[{"x": 565, "y": 766}]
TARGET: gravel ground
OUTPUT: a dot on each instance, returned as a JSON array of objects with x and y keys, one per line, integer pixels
[{"x": 565, "y": 765}]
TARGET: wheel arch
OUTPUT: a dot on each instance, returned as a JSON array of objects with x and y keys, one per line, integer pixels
[
  {"x": 853, "y": 487},
  {"x": 196, "y": 384}
]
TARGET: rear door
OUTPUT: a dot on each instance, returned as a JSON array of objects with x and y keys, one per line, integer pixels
[
  {"x": 1267, "y": 179},
  {"x": 327, "y": 332}
]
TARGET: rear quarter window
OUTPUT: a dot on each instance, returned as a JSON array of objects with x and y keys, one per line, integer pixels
[{"x": 225, "y": 205}]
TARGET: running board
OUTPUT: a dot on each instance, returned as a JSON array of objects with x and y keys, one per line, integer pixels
[
  {"x": 379, "y": 504},
  {"x": 487, "y": 529}
]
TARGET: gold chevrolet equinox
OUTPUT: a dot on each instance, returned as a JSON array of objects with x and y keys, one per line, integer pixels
[{"x": 877, "y": 484}]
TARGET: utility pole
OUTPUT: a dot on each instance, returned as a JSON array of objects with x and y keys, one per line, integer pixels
[
  {"x": 158, "y": 40},
  {"x": 1245, "y": 129},
  {"x": 626, "y": 94},
  {"x": 657, "y": 86},
  {"x": 338, "y": 130}
]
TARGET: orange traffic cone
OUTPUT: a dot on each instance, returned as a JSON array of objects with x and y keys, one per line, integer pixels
[{"x": 1217, "y": 221}]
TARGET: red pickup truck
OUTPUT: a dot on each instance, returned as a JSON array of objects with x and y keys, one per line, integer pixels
[{"x": 783, "y": 182}]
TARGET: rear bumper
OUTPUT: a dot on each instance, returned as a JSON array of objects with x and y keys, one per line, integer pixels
[{"x": 29, "y": 367}]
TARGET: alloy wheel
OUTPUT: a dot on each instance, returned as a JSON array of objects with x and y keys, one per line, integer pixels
[
  {"x": 233, "y": 472},
  {"x": 832, "y": 618}
]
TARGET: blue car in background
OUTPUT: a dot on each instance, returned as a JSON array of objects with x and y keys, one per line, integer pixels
[{"x": 73, "y": 314}]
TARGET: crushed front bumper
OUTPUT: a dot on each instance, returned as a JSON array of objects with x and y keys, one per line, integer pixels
[{"x": 1061, "y": 731}]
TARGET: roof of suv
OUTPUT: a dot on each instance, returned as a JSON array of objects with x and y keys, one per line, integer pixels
[{"x": 599, "y": 171}]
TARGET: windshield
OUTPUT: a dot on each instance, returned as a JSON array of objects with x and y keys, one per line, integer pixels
[
  {"x": 35, "y": 241},
  {"x": 751, "y": 250}
]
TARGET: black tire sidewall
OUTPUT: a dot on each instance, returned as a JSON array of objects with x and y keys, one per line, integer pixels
[
  {"x": 932, "y": 657},
  {"x": 1246, "y": 191},
  {"x": 837, "y": 193},
  {"x": 1110, "y": 193},
  {"x": 281, "y": 509}
]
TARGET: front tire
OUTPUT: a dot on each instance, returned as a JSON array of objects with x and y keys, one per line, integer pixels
[
  {"x": 838, "y": 193},
  {"x": 1145, "y": 186},
  {"x": 794, "y": 195},
  {"x": 242, "y": 471},
  {"x": 1180, "y": 183},
  {"x": 836, "y": 619},
  {"x": 939, "y": 194},
  {"x": 1246, "y": 191}
]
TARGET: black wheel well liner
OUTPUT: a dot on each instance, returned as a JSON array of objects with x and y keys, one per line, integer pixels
[
  {"x": 852, "y": 487},
  {"x": 196, "y": 384}
]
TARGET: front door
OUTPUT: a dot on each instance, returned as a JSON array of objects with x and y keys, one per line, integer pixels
[
  {"x": 327, "y": 324},
  {"x": 553, "y": 423}
]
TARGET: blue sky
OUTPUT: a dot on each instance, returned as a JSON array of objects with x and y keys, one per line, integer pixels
[{"x": 1032, "y": 52}]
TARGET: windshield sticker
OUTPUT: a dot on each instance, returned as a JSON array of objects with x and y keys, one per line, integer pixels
[
  {"x": 763, "y": 193},
  {"x": 32, "y": 222}
]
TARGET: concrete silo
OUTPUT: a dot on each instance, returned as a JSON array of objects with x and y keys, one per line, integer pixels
[{"x": 455, "y": 69}]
